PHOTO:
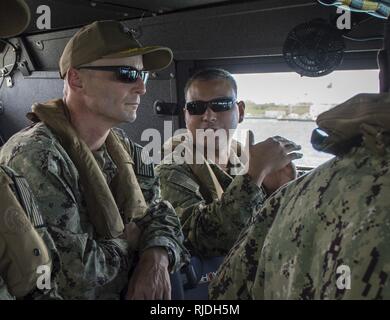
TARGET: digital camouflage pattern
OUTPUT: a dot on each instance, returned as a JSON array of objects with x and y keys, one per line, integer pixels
[
  {"x": 210, "y": 227},
  {"x": 336, "y": 215},
  {"x": 91, "y": 268}
]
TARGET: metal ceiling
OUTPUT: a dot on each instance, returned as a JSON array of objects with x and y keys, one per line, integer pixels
[
  {"x": 73, "y": 13},
  {"x": 161, "y": 6}
]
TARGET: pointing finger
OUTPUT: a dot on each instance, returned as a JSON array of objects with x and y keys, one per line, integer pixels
[{"x": 250, "y": 138}]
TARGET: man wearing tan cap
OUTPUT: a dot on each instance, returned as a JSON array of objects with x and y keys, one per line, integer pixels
[{"x": 100, "y": 201}]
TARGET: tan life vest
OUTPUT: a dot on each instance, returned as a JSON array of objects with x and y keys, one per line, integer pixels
[
  {"x": 210, "y": 188},
  {"x": 103, "y": 207},
  {"x": 364, "y": 117},
  {"x": 22, "y": 250}
]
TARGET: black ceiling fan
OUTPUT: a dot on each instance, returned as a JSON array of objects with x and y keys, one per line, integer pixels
[{"x": 314, "y": 48}]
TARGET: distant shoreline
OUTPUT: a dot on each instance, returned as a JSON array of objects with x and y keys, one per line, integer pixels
[{"x": 281, "y": 119}]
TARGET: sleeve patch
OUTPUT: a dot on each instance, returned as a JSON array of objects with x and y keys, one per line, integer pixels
[
  {"x": 143, "y": 165},
  {"x": 183, "y": 181}
]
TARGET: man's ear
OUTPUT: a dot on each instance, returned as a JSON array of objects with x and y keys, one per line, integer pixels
[
  {"x": 186, "y": 115},
  {"x": 74, "y": 79},
  {"x": 241, "y": 111}
]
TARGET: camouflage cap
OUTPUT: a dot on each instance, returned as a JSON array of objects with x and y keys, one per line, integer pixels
[
  {"x": 14, "y": 17},
  {"x": 110, "y": 39}
]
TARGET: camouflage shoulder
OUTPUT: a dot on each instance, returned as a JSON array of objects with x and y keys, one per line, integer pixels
[
  {"x": 294, "y": 188},
  {"x": 30, "y": 139},
  {"x": 180, "y": 174},
  {"x": 166, "y": 167},
  {"x": 39, "y": 149}
]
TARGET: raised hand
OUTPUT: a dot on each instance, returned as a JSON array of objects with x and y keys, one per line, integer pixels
[{"x": 272, "y": 158}]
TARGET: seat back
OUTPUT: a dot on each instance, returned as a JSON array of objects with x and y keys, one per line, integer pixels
[{"x": 197, "y": 275}]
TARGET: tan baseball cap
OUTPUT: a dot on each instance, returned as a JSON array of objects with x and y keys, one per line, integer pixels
[
  {"x": 14, "y": 17},
  {"x": 110, "y": 39}
]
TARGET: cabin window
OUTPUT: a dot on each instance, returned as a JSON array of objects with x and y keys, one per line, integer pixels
[{"x": 287, "y": 104}]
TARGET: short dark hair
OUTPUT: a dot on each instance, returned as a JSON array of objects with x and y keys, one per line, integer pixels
[{"x": 211, "y": 74}]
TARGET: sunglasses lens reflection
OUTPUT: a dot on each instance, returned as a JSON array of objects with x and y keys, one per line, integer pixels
[{"x": 217, "y": 105}]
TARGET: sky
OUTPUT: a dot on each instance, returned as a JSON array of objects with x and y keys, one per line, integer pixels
[{"x": 291, "y": 88}]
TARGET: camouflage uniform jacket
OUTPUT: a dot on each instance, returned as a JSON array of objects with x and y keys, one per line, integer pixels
[
  {"x": 312, "y": 233},
  {"x": 92, "y": 268},
  {"x": 210, "y": 227}
]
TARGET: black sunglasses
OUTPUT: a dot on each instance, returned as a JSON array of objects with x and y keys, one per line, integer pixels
[
  {"x": 217, "y": 105},
  {"x": 123, "y": 73}
]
